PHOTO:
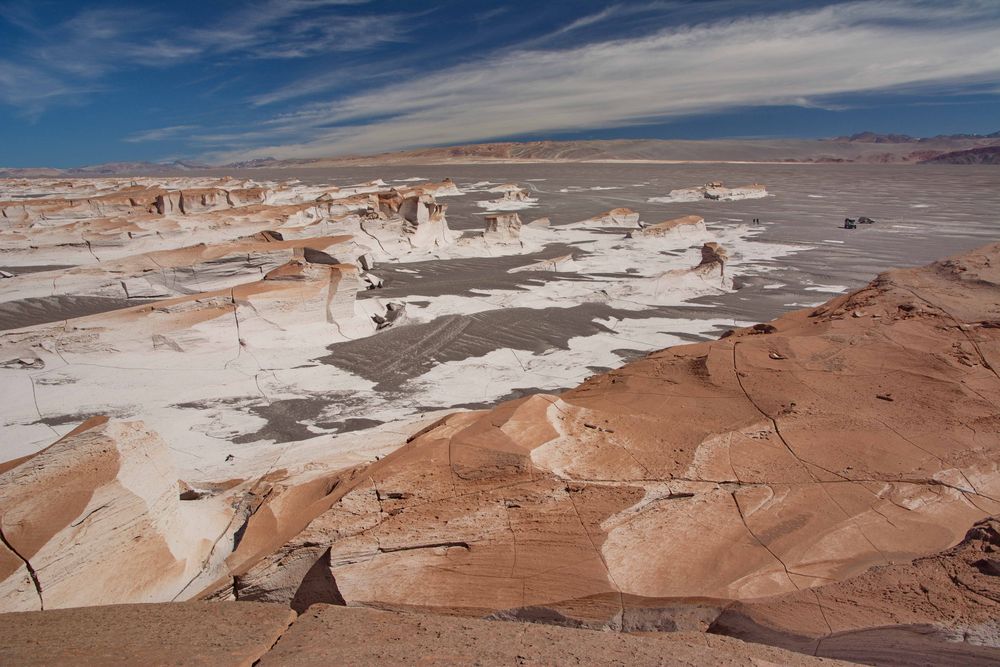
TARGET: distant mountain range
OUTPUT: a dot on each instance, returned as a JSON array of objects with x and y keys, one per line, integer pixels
[
  {"x": 864, "y": 147},
  {"x": 875, "y": 138},
  {"x": 140, "y": 167},
  {"x": 983, "y": 155},
  {"x": 107, "y": 169}
]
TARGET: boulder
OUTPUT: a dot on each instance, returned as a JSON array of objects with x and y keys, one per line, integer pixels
[{"x": 394, "y": 314}]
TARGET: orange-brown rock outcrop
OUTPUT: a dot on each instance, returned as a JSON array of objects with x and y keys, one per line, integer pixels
[
  {"x": 777, "y": 459},
  {"x": 96, "y": 519},
  {"x": 244, "y": 634},
  {"x": 940, "y": 609}
]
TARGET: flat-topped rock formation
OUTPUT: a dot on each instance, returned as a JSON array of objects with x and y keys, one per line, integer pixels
[
  {"x": 445, "y": 188},
  {"x": 121, "y": 219},
  {"x": 714, "y": 191},
  {"x": 208, "y": 199},
  {"x": 329, "y": 634},
  {"x": 718, "y": 192},
  {"x": 765, "y": 463},
  {"x": 619, "y": 217},
  {"x": 244, "y": 634},
  {"x": 673, "y": 227},
  {"x": 513, "y": 198},
  {"x": 131, "y": 200},
  {"x": 190, "y": 633},
  {"x": 188, "y": 270}
]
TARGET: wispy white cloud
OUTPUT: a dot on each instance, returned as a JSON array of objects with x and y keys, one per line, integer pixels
[
  {"x": 588, "y": 20},
  {"x": 490, "y": 14},
  {"x": 370, "y": 74},
  {"x": 798, "y": 58},
  {"x": 31, "y": 90},
  {"x": 160, "y": 133},
  {"x": 285, "y": 29},
  {"x": 63, "y": 60}
]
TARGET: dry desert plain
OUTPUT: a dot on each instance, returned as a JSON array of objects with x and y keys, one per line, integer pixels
[{"x": 451, "y": 407}]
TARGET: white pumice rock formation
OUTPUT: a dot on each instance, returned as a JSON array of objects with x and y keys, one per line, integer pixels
[
  {"x": 513, "y": 198},
  {"x": 232, "y": 329},
  {"x": 714, "y": 191},
  {"x": 619, "y": 217},
  {"x": 676, "y": 227},
  {"x": 96, "y": 518},
  {"x": 503, "y": 228}
]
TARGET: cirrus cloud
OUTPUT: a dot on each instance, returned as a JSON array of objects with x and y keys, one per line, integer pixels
[{"x": 790, "y": 58}]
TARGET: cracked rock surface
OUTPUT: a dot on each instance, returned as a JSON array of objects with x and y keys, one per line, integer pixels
[
  {"x": 96, "y": 518},
  {"x": 244, "y": 634},
  {"x": 761, "y": 464},
  {"x": 189, "y": 633}
]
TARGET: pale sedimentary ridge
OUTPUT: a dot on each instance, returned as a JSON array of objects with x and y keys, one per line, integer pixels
[
  {"x": 116, "y": 219},
  {"x": 674, "y": 226},
  {"x": 513, "y": 198},
  {"x": 619, "y": 217},
  {"x": 234, "y": 333},
  {"x": 714, "y": 191}
]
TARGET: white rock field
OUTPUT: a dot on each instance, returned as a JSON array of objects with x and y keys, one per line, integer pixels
[{"x": 224, "y": 324}]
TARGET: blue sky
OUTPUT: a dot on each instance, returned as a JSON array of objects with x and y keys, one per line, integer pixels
[{"x": 90, "y": 82}]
